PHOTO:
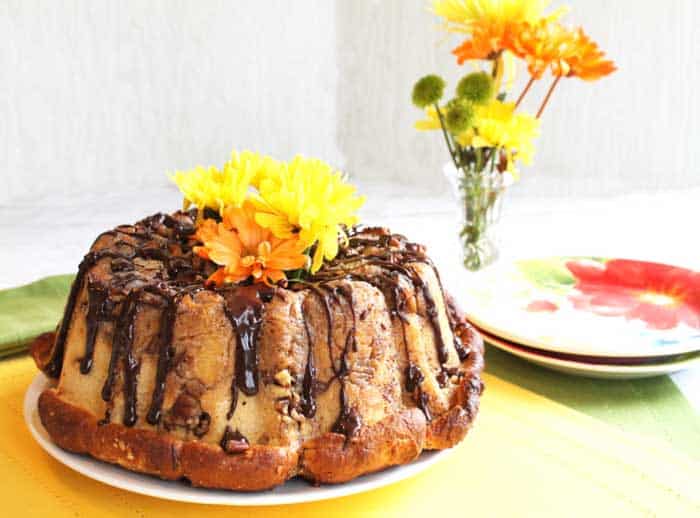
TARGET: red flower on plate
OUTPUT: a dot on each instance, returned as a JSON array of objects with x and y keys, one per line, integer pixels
[
  {"x": 660, "y": 295},
  {"x": 541, "y": 306}
]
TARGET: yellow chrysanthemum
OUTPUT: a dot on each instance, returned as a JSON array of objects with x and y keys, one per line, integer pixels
[
  {"x": 214, "y": 188},
  {"x": 306, "y": 197},
  {"x": 247, "y": 167},
  {"x": 200, "y": 186},
  {"x": 461, "y": 15},
  {"x": 497, "y": 125},
  {"x": 431, "y": 121}
]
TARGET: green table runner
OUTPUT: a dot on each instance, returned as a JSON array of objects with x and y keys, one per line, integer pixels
[{"x": 651, "y": 406}]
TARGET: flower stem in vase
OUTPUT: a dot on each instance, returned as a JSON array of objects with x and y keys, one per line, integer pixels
[{"x": 479, "y": 188}]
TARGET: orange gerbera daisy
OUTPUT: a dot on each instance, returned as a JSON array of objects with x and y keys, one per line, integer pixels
[
  {"x": 244, "y": 249},
  {"x": 566, "y": 52}
]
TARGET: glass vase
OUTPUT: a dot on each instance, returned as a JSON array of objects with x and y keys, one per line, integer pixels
[{"x": 479, "y": 197}]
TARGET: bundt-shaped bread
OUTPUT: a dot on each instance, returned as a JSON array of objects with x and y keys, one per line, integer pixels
[{"x": 357, "y": 368}]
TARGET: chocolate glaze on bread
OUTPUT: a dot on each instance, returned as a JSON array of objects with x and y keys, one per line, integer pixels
[{"x": 355, "y": 369}]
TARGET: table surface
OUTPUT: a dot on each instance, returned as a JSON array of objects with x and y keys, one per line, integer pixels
[{"x": 47, "y": 236}]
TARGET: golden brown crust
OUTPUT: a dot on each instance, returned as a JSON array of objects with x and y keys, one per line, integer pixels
[
  {"x": 145, "y": 451},
  {"x": 40, "y": 349},
  {"x": 333, "y": 458},
  {"x": 452, "y": 426},
  {"x": 329, "y": 458}
]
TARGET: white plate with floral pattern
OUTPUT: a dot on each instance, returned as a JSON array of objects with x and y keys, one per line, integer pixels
[{"x": 589, "y": 306}]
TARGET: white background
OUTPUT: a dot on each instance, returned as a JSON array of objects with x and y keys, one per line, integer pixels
[{"x": 99, "y": 95}]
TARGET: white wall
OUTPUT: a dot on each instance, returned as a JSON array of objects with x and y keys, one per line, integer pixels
[
  {"x": 115, "y": 94},
  {"x": 103, "y": 94}
]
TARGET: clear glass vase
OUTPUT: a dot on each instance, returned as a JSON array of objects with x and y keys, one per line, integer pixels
[{"x": 479, "y": 196}]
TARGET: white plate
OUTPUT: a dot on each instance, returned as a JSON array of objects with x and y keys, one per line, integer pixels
[
  {"x": 588, "y": 306},
  {"x": 293, "y": 492},
  {"x": 592, "y": 370}
]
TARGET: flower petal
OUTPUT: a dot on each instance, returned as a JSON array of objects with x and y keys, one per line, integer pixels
[{"x": 277, "y": 224}]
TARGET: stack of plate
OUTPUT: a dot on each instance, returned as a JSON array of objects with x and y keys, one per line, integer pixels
[{"x": 606, "y": 318}]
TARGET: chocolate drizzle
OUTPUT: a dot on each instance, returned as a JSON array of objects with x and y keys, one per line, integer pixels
[
  {"x": 349, "y": 421},
  {"x": 414, "y": 377},
  {"x": 351, "y": 339},
  {"x": 131, "y": 370},
  {"x": 234, "y": 399},
  {"x": 244, "y": 309},
  {"x": 375, "y": 252},
  {"x": 99, "y": 309},
  {"x": 152, "y": 263},
  {"x": 308, "y": 400},
  {"x": 391, "y": 253},
  {"x": 322, "y": 294},
  {"x": 53, "y": 367},
  {"x": 457, "y": 327},
  {"x": 147, "y": 230},
  {"x": 432, "y": 312},
  {"x": 127, "y": 287},
  {"x": 124, "y": 319},
  {"x": 165, "y": 356},
  {"x": 121, "y": 349},
  {"x": 424, "y": 406}
]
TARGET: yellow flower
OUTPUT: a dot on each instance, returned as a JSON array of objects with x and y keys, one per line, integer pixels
[
  {"x": 431, "y": 122},
  {"x": 214, "y": 188},
  {"x": 308, "y": 199},
  {"x": 461, "y": 15},
  {"x": 245, "y": 169},
  {"x": 497, "y": 125},
  {"x": 200, "y": 186}
]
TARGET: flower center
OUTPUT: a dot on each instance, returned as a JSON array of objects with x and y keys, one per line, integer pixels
[
  {"x": 658, "y": 299},
  {"x": 249, "y": 260}
]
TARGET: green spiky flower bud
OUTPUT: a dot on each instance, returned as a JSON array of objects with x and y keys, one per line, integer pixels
[
  {"x": 476, "y": 87},
  {"x": 460, "y": 115},
  {"x": 428, "y": 90}
]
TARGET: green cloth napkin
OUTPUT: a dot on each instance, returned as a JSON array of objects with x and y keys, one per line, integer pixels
[
  {"x": 650, "y": 406},
  {"x": 30, "y": 310}
]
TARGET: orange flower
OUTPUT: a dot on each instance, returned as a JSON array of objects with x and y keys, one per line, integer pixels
[
  {"x": 538, "y": 45},
  {"x": 487, "y": 41},
  {"x": 242, "y": 249},
  {"x": 582, "y": 58},
  {"x": 566, "y": 52},
  {"x": 490, "y": 24}
]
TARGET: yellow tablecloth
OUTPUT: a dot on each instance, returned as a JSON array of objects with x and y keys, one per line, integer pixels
[{"x": 527, "y": 456}]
